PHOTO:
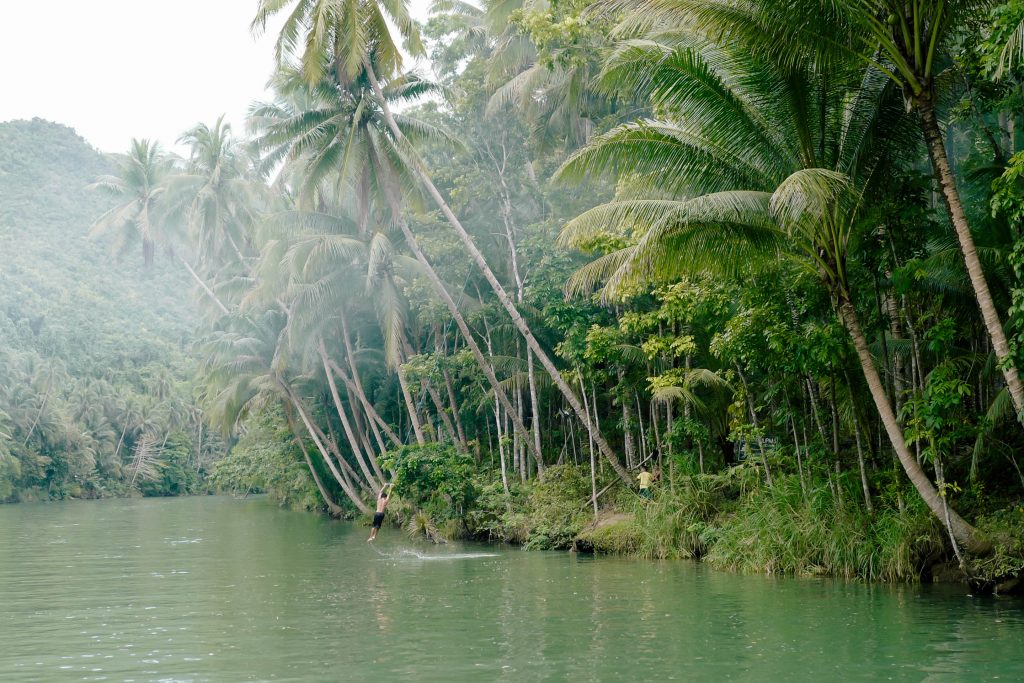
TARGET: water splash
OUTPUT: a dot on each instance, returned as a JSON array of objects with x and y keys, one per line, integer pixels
[{"x": 406, "y": 554}]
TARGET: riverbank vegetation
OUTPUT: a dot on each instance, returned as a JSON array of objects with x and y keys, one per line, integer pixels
[{"x": 770, "y": 249}]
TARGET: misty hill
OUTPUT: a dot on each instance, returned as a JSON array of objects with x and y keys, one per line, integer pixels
[
  {"x": 93, "y": 351},
  {"x": 61, "y": 293}
]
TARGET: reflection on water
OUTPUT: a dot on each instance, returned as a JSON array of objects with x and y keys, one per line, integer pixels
[{"x": 215, "y": 589}]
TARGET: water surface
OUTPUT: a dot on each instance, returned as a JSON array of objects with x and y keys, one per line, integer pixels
[{"x": 217, "y": 589}]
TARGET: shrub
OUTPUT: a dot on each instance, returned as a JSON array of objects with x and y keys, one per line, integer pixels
[{"x": 435, "y": 478}]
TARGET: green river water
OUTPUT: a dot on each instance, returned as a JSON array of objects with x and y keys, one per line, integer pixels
[{"x": 217, "y": 589}]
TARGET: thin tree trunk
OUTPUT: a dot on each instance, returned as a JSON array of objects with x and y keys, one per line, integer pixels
[
  {"x": 961, "y": 530},
  {"x": 799, "y": 459},
  {"x": 627, "y": 425},
  {"x": 535, "y": 407},
  {"x": 753, "y": 419},
  {"x": 951, "y": 195},
  {"x": 593, "y": 473},
  {"x": 333, "y": 508},
  {"x": 345, "y": 486},
  {"x": 42, "y": 407},
  {"x": 374, "y": 417},
  {"x": 520, "y": 448},
  {"x": 863, "y": 470},
  {"x": 209, "y": 292},
  {"x": 442, "y": 348},
  {"x": 501, "y": 447},
  {"x": 492, "y": 280},
  {"x": 351, "y": 476},
  {"x": 467, "y": 335},
  {"x": 814, "y": 410},
  {"x": 353, "y": 443},
  {"x": 453, "y": 403},
  {"x": 410, "y": 405}
]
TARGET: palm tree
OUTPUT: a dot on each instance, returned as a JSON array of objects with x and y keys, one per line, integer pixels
[
  {"x": 908, "y": 42},
  {"x": 216, "y": 196},
  {"x": 142, "y": 186},
  {"x": 143, "y": 171},
  {"x": 736, "y": 121},
  {"x": 243, "y": 370},
  {"x": 360, "y": 24},
  {"x": 344, "y": 130}
]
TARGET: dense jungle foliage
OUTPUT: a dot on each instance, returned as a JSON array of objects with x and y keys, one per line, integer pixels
[
  {"x": 95, "y": 372},
  {"x": 770, "y": 249}
]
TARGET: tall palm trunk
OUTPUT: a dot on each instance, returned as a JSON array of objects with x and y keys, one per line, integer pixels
[
  {"x": 627, "y": 424},
  {"x": 375, "y": 418},
  {"x": 205, "y": 287},
  {"x": 460, "y": 321},
  {"x": 535, "y": 408},
  {"x": 371, "y": 413},
  {"x": 313, "y": 433},
  {"x": 410, "y": 405},
  {"x": 361, "y": 458},
  {"x": 963, "y": 532},
  {"x": 503, "y": 297},
  {"x": 951, "y": 195},
  {"x": 332, "y": 507},
  {"x": 510, "y": 235}
]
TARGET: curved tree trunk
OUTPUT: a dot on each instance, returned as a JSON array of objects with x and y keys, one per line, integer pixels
[
  {"x": 963, "y": 532},
  {"x": 503, "y": 297},
  {"x": 410, "y": 405},
  {"x": 206, "y": 288},
  {"x": 345, "y": 486},
  {"x": 333, "y": 508},
  {"x": 353, "y": 442},
  {"x": 989, "y": 314},
  {"x": 375, "y": 418},
  {"x": 467, "y": 334}
]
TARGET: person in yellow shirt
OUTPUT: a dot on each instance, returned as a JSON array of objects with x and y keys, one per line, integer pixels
[{"x": 645, "y": 478}]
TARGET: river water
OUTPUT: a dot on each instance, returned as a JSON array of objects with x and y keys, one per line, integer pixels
[{"x": 217, "y": 589}]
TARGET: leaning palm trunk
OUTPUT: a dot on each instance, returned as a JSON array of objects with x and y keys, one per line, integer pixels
[
  {"x": 371, "y": 413},
  {"x": 206, "y": 288},
  {"x": 467, "y": 334},
  {"x": 332, "y": 507},
  {"x": 410, "y": 405},
  {"x": 353, "y": 442},
  {"x": 435, "y": 398},
  {"x": 313, "y": 433},
  {"x": 503, "y": 297},
  {"x": 963, "y": 532},
  {"x": 951, "y": 195},
  {"x": 375, "y": 418}
]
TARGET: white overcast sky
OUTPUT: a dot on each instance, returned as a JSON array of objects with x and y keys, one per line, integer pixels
[{"x": 118, "y": 69}]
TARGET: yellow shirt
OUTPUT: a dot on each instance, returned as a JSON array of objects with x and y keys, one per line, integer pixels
[{"x": 645, "y": 480}]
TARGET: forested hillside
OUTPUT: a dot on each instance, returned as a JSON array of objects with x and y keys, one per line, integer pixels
[{"x": 93, "y": 351}]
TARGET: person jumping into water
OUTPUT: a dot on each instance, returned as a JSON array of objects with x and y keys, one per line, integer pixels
[{"x": 383, "y": 498}]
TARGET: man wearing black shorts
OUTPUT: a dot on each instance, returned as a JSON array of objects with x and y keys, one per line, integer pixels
[{"x": 378, "y": 517}]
